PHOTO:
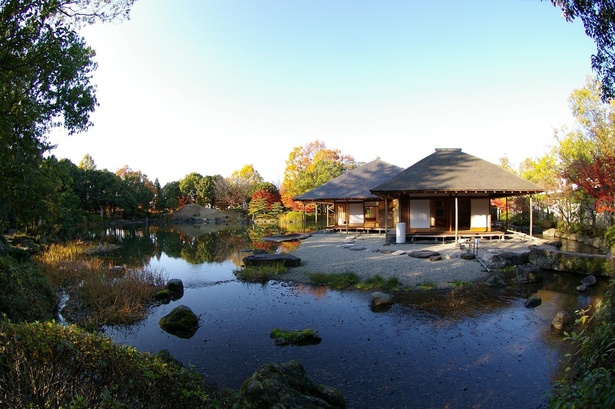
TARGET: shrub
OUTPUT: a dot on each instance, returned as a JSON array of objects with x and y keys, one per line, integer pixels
[
  {"x": 590, "y": 377},
  {"x": 292, "y": 218},
  {"x": 26, "y": 294},
  {"x": 609, "y": 237},
  {"x": 48, "y": 365}
]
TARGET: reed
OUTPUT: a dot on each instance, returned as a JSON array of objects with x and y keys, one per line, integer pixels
[{"x": 99, "y": 293}]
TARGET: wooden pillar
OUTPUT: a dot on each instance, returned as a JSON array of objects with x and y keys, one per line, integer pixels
[
  {"x": 303, "y": 219},
  {"x": 347, "y": 215},
  {"x": 507, "y": 216},
  {"x": 456, "y": 219},
  {"x": 316, "y": 215},
  {"x": 531, "y": 218},
  {"x": 386, "y": 220}
]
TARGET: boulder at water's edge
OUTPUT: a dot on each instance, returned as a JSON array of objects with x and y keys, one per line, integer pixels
[
  {"x": 286, "y": 385},
  {"x": 558, "y": 260}
]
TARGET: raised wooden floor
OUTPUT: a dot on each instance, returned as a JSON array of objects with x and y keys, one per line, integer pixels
[{"x": 463, "y": 235}]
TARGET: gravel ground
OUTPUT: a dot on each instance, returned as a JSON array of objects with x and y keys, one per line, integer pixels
[{"x": 367, "y": 255}]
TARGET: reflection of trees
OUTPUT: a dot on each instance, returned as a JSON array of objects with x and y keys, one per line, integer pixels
[
  {"x": 257, "y": 233},
  {"x": 135, "y": 246},
  {"x": 212, "y": 247},
  {"x": 317, "y": 291}
]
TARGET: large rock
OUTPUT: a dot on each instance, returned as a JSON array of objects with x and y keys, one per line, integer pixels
[
  {"x": 181, "y": 322},
  {"x": 528, "y": 273},
  {"x": 288, "y": 260},
  {"x": 174, "y": 290},
  {"x": 495, "y": 281},
  {"x": 508, "y": 258},
  {"x": 286, "y": 385},
  {"x": 423, "y": 253},
  {"x": 558, "y": 260}
]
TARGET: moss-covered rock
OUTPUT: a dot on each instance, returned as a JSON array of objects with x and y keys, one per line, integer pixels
[
  {"x": 301, "y": 337},
  {"x": 181, "y": 322},
  {"x": 164, "y": 296},
  {"x": 287, "y": 385},
  {"x": 175, "y": 286}
]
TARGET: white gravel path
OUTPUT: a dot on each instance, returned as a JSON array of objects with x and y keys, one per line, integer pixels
[{"x": 366, "y": 255}]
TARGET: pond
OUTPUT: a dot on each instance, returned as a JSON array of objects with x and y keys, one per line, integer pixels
[{"x": 468, "y": 347}]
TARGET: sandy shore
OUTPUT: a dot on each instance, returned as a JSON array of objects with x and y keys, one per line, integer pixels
[{"x": 367, "y": 255}]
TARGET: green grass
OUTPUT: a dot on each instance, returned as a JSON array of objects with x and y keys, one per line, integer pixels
[
  {"x": 336, "y": 281},
  {"x": 341, "y": 281},
  {"x": 427, "y": 285},
  {"x": 379, "y": 283},
  {"x": 260, "y": 274},
  {"x": 459, "y": 284}
]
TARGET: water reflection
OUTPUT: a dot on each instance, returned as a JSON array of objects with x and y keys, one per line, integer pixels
[{"x": 467, "y": 347}]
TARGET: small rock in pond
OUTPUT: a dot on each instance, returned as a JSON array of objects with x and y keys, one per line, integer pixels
[
  {"x": 181, "y": 322},
  {"x": 533, "y": 302},
  {"x": 380, "y": 299},
  {"x": 589, "y": 280},
  {"x": 563, "y": 320}
]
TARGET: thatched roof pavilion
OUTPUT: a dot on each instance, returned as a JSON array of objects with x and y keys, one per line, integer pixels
[{"x": 451, "y": 171}]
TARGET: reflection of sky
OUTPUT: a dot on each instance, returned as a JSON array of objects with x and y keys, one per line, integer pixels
[
  {"x": 406, "y": 356},
  {"x": 193, "y": 275}
]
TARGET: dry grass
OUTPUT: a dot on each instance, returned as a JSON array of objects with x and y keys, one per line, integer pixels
[{"x": 99, "y": 293}]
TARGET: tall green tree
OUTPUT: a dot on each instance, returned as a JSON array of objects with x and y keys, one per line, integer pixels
[
  {"x": 45, "y": 81},
  {"x": 170, "y": 196},
  {"x": 137, "y": 186},
  {"x": 598, "y": 17},
  {"x": 189, "y": 186}
]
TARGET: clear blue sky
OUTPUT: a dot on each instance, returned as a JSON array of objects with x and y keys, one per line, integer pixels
[{"x": 209, "y": 86}]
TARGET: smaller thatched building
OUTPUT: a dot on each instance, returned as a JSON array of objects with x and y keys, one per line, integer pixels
[{"x": 349, "y": 201}]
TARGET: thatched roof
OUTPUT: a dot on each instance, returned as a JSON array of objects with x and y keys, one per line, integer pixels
[
  {"x": 353, "y": 185},
  {"x": 453, "y": 171}
]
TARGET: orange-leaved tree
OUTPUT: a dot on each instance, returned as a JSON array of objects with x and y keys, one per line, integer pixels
[{"x": 310, "y": 166}]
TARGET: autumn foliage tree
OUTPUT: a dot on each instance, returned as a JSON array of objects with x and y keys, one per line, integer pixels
[
  {"x": 587, "y": 153},
  {"x": 310, "y": 166},
  {"x": 235, "y": 191},
  {"x": 265, "y": 200}
]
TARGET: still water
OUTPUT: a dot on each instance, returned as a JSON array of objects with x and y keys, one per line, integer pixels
[{"x": 466, "y": 348}]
